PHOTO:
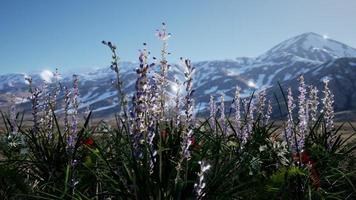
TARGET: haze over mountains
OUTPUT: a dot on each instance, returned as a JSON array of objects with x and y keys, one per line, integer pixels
[{"x": 310, "y": 54}]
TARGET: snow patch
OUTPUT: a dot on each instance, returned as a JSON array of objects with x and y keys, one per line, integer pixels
[{"x": 46, "y": 75}]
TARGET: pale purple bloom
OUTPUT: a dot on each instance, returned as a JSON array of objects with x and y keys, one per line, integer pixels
[
  {"x": 74, "y": 113},
  {"x": 249, "y": 108},
  {"x": 162, "y": 34},
  {"x": 47, "y": 118},
  {"x": 268, "y": 113},
  {"x": 261, "y": 103},
  {"x": 118, "y": 84},
  {"x": 66, "y": 105},
  {"x": 153, "y": 115},
  {"x": 290, "y": 124},
  {"x": 57, "y": 88},
  {"x": 328, "y": 107},
  {"x": 13, "y": 113},
  {"x": 222, "y": 115},
  {"x": 140, "y": 103},
  {"x": 212, "y": 108},
  {"x": 302, "y": 113},
  {"x": 201, "y": 184},
  {"x": 162, "y": 76},
  {"x": 189, "y": 108},
  {"x": 313, "y": 103},
  {"x": 237, "y": 106},
  {"x": 34, "y": 98},
  {"x": 177, "y": 106}
]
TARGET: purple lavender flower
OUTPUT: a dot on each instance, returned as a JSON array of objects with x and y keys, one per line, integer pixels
[
  {"x": 67, "y": 98},
  {"x": 118, "y": 84},
  {"x": 177, "y": 105},
  {"x": 189, "y": 107},
  {"x": 261, "y": 103},
  {"x": 162, "y": 77},
  {"x": 328, "y": 108},
  {"x": 152, "y": 116},
  {"x": 212, "y": 108},
  {"x": 237, "y": 106},
  {"x": 249, "y": 108},
  {"x": 162, "y": 34},
  {"x": 13, "y": 113},
  {"x": 313, "y": 103},
  {"x": 57, "y": 88},
  {"x": 268, "y": 113},
  {"x": 47, "y": 117},
  {"x": 13, "y": 134},
  {"x": 200, "y": 185},
  {"x": 140, "y": 103},
  {"x": 222, "y": 114},
  {"x": 303, "y": 115},
  {"x": 74, "y": 114},
  {"x": 290, "y": 124},
  {"x": 34, "y": 98}
]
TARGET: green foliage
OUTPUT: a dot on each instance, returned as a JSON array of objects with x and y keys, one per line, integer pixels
[{"x": 263, "y": 168}]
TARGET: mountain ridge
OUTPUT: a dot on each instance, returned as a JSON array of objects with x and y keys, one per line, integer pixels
[{"x": 284, "y": 62}]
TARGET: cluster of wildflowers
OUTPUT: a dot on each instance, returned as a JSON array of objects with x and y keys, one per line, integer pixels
[
  {"x": 200, "y": 185},
  {"x": 148, "y": 142},
  {"x": 308, "y": 114}
]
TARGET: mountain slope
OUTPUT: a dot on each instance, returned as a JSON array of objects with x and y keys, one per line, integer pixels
[{"x": 309, "y": 54}]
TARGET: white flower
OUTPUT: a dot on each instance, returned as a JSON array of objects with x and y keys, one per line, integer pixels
[{"x": 263, "y": 148}]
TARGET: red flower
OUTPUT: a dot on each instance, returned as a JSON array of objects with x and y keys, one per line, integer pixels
[
  {"x": 164, "y": 134},
  {"x": 89, "y": 141},
  {"x": 195, "y": 145},
  {"x": 193, "y": 141},
  {"x": 304, "y": 158}
]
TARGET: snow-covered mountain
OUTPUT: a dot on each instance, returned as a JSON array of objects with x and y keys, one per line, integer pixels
[
  {"x": 309, "y": 46},
  {"x": 309, "y": 53}
]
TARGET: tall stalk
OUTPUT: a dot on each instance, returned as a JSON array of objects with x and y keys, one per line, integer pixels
[{"x": 119, "y": 84}]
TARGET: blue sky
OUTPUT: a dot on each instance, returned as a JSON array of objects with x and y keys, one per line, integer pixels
[{"x": 43, "y": 34}]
